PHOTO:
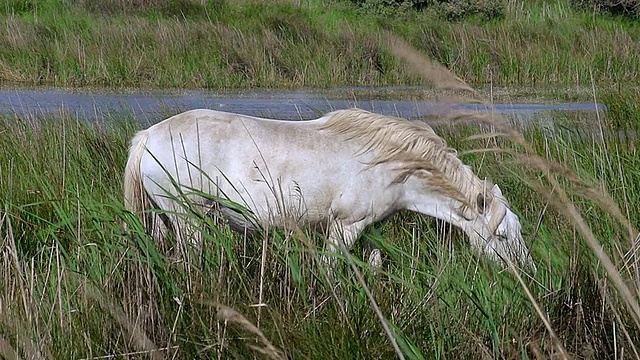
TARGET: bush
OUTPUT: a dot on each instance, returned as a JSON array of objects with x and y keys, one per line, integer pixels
[
  {"x": 630, "y": 8},
  {"x": 448, "y": 9},
  {"x": 458, "y": 9}
]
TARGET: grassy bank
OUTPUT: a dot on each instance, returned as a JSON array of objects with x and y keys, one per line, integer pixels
[
  {"x": 318, "y": 43},
  {"x": 75, "y": 284}
]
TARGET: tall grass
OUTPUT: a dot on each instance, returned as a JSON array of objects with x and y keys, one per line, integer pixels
[
  {"x": 319, "y": 43},
  {"x": 76, "y": 284},
  {"x": 234, "y": 46}
]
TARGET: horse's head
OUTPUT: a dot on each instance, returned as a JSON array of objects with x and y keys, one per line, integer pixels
[{"x": 498, "y": 231}]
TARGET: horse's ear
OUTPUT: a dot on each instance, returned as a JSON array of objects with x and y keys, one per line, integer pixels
[
  {"x": 496, "y": 190},
  {"x": 481, "y": 203}
]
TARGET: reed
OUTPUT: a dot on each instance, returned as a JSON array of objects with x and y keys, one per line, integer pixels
[{"x": 77, "y": 284}]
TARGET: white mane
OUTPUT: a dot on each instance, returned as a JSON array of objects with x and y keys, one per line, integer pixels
[{"x": 414, "y": 146}]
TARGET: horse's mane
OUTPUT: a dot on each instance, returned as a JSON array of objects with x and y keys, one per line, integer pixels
[{"x": 414, "y": 146}]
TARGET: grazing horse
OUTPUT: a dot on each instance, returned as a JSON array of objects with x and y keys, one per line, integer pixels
[{"x": 344, "y": 171}]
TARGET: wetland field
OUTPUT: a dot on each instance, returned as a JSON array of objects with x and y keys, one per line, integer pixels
[{"x": 80, "y": 278}]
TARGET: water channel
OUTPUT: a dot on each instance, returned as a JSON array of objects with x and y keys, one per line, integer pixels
[{"x": 149, "y": 107}]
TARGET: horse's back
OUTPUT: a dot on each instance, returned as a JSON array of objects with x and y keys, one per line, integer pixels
[{"x": 247, "y": 159}]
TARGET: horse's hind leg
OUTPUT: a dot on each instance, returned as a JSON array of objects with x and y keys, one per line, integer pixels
[
  {"x": 158, "y": 229},
  {"x": 186, "y": 234}
]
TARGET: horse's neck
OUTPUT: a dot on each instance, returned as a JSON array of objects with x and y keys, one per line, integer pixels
[
  {"x": 434, "y": 204},
  {"x": 465, "y": 181}
]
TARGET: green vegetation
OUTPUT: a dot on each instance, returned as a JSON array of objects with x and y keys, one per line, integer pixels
[
  {"x": 314, "y": 43},
  {"x": 76, "y": 283}
]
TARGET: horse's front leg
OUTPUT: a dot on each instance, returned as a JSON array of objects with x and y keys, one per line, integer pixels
[
  {"x": 373, "y": 255},
  {"x": 341, "y": 238}
]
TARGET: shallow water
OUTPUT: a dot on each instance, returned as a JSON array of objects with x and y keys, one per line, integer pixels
[{"x": 149, "y": 107}]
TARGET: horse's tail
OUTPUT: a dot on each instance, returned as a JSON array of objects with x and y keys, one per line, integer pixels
[{"x": 135, "y": 197}]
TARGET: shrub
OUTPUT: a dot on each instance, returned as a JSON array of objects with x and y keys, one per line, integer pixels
[
  {"x": 458, "y": 9},
  {"x": 630, "y": 8},
  {"x": 448, "y": 9}
]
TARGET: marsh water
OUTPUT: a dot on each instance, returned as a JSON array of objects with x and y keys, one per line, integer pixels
[{"x": 149, "y": 107}]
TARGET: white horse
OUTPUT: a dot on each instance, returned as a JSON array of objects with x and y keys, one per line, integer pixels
[{"x": 345, "y": 171}]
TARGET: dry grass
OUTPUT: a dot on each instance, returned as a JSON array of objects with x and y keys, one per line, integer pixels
[{"x": 228, "y": 314}]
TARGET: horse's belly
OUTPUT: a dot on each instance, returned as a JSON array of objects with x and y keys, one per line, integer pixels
[
  {"x": 237, "y": 221},
  {"x": 262, "y": 218},
  {"x": 288, "y": 206}
]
